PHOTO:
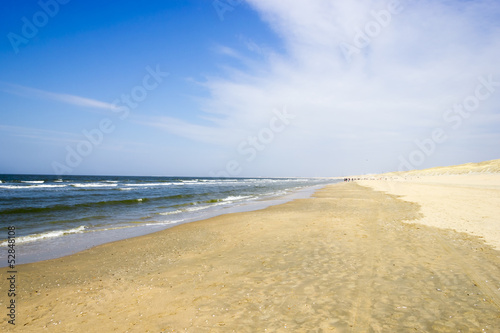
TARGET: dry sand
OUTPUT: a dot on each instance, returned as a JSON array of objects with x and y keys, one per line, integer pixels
[
  {"x": 343, "y": 261},
  {"x": 465, "y": 203},
  {"x": 464, "y": 198}
]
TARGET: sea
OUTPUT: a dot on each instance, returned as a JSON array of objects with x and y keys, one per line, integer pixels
[{"x": 57, "y": 216}]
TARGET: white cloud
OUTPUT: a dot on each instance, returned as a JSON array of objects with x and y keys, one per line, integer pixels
[
  {"x": 393, "y": 91},
  {"x": 63, "y": 98},
  {"x": 53, "y": 137},
  {"x": 205, "y": 134}
]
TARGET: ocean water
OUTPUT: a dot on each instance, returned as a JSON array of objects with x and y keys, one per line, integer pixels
[{"x": 58, "y": 216}]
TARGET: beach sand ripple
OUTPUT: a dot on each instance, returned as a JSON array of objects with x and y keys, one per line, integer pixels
[{"x": 342, "y": 261}]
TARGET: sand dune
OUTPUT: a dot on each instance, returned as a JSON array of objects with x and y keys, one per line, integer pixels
[{"x": 492, "y": 166}]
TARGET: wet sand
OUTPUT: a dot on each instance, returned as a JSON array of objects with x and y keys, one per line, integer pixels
[{"x": 342, "y": 261}]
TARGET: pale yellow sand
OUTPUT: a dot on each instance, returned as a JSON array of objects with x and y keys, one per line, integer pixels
[
  {"x": 341, "y": 262},
  {"x": 465, "y": 198}
]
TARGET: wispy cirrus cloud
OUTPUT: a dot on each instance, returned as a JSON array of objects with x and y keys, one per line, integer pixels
[
  {"x": 56, "y": 137},
  {"x": 394, "y": 91},
  {"x": 29, "y": 92},
  {"x": 206, "y": 134}
]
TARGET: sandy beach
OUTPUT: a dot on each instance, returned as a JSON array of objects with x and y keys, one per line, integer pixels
[
  {"x": 464, "y": 198},
  {"x": 465, "y": 203},
  {"x": 350, "y": 259},
  {"x": 250, "y": 166}
]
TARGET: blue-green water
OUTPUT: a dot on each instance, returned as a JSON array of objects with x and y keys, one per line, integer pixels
[{"x": 48, "y": 211}]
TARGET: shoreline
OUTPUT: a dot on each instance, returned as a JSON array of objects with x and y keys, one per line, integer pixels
[
  {"x": 341, "y": 260},
  {"x": 68, "y": 244}
]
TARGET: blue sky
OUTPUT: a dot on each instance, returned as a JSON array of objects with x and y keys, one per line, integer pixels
[{"x": 247, "y": 88}]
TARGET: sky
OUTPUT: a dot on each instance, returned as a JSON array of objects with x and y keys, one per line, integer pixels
[{"x": 249, "y": 88}]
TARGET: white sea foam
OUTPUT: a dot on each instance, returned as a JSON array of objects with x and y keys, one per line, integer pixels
[
  {"x": 235, "y": 198},
  {"x": 161, "y": 223},
  {"x": 45, "y": 185},
  {"x": 33, "y": 181},
  {"x": 195, "y": 209},
  {"x": 17, "y": 187},
  {"x": 148, "y": 184},
  {"x": 211, "y": 205},
  {"x": 12, "y": 186},
  {"x": 45, "y": 235},
  {"x": 277, "y": 193},
  {"x": 171, "y": 213},
  {"x": 192, "y": 209},
  {"x": 225, "y": 201},
  {"x": 93, "y": 185}
]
